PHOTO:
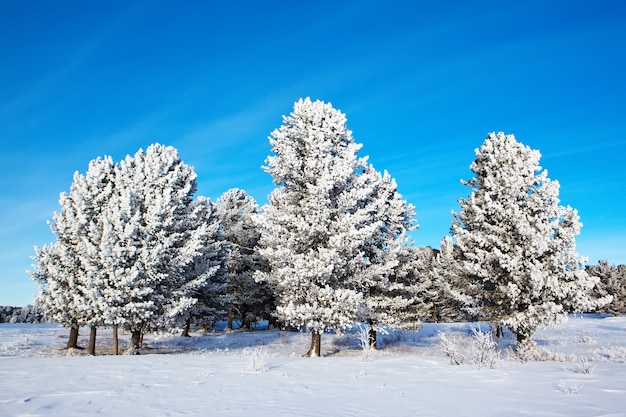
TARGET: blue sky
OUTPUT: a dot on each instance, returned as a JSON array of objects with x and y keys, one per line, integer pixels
[{"x": 422, "y": 83}]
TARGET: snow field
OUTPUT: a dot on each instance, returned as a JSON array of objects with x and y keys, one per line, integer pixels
[{"x": 213, "y": 374}]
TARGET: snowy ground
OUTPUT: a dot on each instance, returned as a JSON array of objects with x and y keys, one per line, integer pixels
[{"x": 213, "y": 375}]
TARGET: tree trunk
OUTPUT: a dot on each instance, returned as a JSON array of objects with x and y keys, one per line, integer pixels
[
  {"x": 186, "y": 328},
  {"x": 72, "y": 343},
  {"x": 143, "y": 332},
  {"x": 245, "y": 320},
  {"x": 116, "y": 341},
  {"x": 499, "y": 331},
  {"x": 91, "y": 349},
  {"x": 135, "y": 340},
  {"x": 316, "y": 343},
  {"x": 231, "y": 314},
  {"x": 372, "y": 338}
]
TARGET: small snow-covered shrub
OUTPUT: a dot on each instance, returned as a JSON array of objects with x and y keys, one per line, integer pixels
[
  {"x": 583, "y": 366},
  {"x": 539, "y": 354},
  {"x": 256, "y": 359},
  {"x": 452, "y": 349},
  {"x": 483, "y": 349},
  {"x": 587, "y": 339},
  {"x": 480, "y": 350},
  {"x": 568, "y": 389},
  {"x": 364, "y": 341},
  {"x": 611, "y": 354}
]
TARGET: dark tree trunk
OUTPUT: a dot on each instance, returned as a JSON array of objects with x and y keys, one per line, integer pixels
[
  {"x": 245, "y": 320},
  {"x": 135, "y": 340},
  {"x": 72, "y": 343},
  {"x": 499, "y": 331},
  {"x": 116, "y": 341},
  {"x": 316, "y": 343},
  {"x": 91, "y": 349},
  {"x": 372, "y": 338},
  {"x": 186, "y": 328},
  {"x": 231, "y": 314}
]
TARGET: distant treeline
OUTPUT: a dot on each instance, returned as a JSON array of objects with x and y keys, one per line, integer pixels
[{"x": 26, "y": 314}]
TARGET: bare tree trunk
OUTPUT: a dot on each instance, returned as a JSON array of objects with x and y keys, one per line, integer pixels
[
  {"x": 245, "y": 320},
  {"x": 316, "y": 343},
  {"x": 91, "y": 349},
  {"x": 135, "y": 340},
  {"x": 186, "y": 328},
  {"x": 72, "y": 343},
  {"x": 231, "y": 314},
  {"x": 499, "y": 331},
  {"x": 371, "y": 339},
  {"x": 116, "y": 341},
  {"x": 143, "y": 332}
]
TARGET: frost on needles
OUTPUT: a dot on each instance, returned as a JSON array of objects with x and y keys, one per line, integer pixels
[
  {"x": 134, "y": 247},
  {"x": 515, "y": 244},
  {"x": 334, "y": 228}
]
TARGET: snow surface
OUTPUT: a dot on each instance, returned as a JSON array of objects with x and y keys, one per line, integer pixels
[{"x": 214, "y": 374}]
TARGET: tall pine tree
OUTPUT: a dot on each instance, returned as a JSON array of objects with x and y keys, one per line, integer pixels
[
  {"x": 333, "y": 228},
  {"x": 391, "y": 292},
  {"x": 250, "y": 301},
  {"x": 517, "y": 243},
  {"x": 155, "y": 239},
  {"x": 132, "y": 247},
  {"x": 73, "y": 281}
]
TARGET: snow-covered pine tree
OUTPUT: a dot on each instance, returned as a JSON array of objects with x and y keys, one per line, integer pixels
[
  {"x": 450, "y": 303},
  {"x": 391, "y": 291},
  {"x": 153, "y": 241},
  {"x": 250, "y": 300},
  {"x": 55, "y": 270},
  {"x": 312, "y": 245},
  {"x": 402, "y": 302},
  {"x": 517, "y": 243},
  {"x": 73, "y": 282},
  {"x": 421, "y": 264},
  {"x": 207, "y": 274},
  {"x": 612, "y": 283}
]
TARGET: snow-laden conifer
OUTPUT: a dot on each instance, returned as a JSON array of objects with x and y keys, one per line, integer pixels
[
  {"x": 250, "y": 301},
  {"x": 612, "y": 283},
  {"x": 73, "y": 282},
  {"x": 450, "y": 301},
  {"x": 517, "y": 243},
  {"x": 155, "y": 238},
  {"x": 303, "y": 234},
  {"x": 206, "y": 277},
  {"x": 389, "y": 282},
  {"x": 132, "y": 246},
  {"x": 401, "y": 301},
  {"x": 332, "y": 230}
]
